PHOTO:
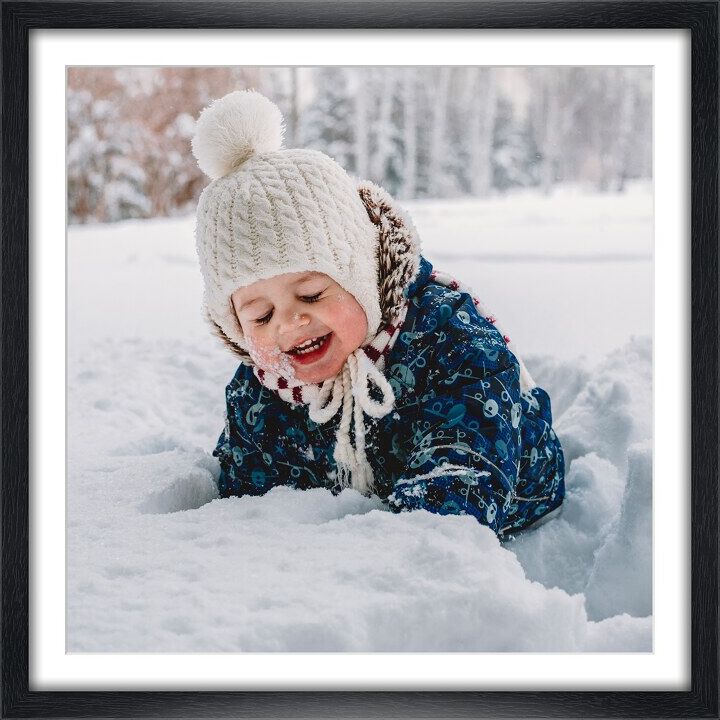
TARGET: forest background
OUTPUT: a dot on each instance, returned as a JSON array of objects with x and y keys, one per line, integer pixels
[{"x": 488, "y": 131}]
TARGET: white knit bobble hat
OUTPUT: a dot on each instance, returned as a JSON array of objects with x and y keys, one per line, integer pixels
[{"x": 270, "y": 211}]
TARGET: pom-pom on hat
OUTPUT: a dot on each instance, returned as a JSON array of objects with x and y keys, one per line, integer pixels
[
  {"x": 234, "y": 127},
  {"x": 270, "y": 210}
]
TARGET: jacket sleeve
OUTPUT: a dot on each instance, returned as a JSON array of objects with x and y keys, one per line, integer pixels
[
  {"x": 464, "y": 441},
  {"x": 541, "y": 482},
  {"x": 246, "y": 448}
]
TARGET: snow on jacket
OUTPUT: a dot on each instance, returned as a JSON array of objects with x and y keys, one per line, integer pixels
[{"x": 463, "y": 437}]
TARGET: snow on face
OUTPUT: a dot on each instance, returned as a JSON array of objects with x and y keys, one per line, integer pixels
[
  {"x": 270, "y": 358},
  {"x": 280, "y": 312}
]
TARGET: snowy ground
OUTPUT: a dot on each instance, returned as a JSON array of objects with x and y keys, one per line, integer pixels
[{"x": 157, "y": 563}]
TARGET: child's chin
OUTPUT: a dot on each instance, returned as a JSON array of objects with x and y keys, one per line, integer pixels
[{"x": 316, "y": 375}]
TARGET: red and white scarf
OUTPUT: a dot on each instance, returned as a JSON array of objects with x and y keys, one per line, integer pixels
[{"x": 349, "y": 389}]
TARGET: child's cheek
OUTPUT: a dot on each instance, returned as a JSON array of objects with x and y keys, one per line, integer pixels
[
  {"x": 349, "y": 315},
  {"x": 269, "y": 356},
  {"x": 342, "y": 306}
]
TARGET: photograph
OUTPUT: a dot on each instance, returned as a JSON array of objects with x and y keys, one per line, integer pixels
[{"x": 361, "y": 358}]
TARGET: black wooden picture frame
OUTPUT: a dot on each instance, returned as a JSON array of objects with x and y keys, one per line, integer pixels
[{"x": 699, "y": 18}]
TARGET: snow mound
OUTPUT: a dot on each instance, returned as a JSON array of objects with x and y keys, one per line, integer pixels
[
  {"x": 614, "y": 409},
  {"x": 620, "y": 633},
  {"x": 601, "y": 545},
  {"x": 379, "y": 582},
  {"x": 190, "y": 489},
  {"x": 561, "y": 552},
  {"x": 621, "y": 577},
  {"x": 563, "y": 380}
]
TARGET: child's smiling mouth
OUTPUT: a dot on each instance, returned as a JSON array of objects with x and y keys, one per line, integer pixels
[{"x": 310, "y": 350}]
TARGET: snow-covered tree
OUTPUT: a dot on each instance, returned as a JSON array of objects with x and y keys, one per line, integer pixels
[
  {"x": 591, "y": 124},
  {"x": 384, "y": 96},
  {"x": 283, "y": 86},
  {"x": 105, "y": 182},
  {"x": 545, "y": 113},
  {"x": 514, "y": 157},
  {"x": 628, "y": 82},
  {"x": 474, "y": 118},
  {"x": 328, "y": 124},
  {"x": 129, "y": 133}
]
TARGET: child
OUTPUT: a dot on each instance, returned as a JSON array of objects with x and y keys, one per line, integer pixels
[{"x": 361, "y": 366}]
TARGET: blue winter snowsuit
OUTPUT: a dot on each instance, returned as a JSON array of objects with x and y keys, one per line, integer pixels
[{"x": 462, "y": 438}]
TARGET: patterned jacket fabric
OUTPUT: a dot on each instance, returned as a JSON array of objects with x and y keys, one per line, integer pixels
[{"x": 463, "y": 438}]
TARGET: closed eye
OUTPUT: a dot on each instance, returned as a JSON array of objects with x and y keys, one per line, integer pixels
[{"x": 264, "y": 319}]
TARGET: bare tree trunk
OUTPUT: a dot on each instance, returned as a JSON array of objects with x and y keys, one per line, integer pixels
[
  {"x": 382, "y": 140},
  {"x": 486, "y": 129},
  {"x": 437, "y": 133},
  {"x": 294, "y": 108},
  {"x": 362, "y": 123},
  {"x": 480, "y": 89},
  {"x": 546, "y": 118},
  {"x": 409, "y": 132},
  {"x": 626, "y": 130}
]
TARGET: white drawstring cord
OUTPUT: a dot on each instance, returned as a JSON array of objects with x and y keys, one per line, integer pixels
[{"x": 351, "y": 389}]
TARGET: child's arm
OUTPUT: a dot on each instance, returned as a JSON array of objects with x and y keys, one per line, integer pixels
[
  {"x": 464, "y": 437},
  {"x": 247, "y": 449}
]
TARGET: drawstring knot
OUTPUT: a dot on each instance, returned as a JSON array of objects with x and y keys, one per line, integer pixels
[{"x": 350, "y": 389}]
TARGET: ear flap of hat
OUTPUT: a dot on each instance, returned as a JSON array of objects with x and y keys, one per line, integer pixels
[{"x": 398, "y": 247}]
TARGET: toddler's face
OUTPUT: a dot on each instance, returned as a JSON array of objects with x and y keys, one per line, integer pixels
[{"x": 301, "y": 325}]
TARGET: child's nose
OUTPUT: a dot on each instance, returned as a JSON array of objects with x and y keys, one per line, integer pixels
[{"x": 293, "y": 319}]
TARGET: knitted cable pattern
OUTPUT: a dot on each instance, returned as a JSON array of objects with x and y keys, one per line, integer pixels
[{"x": 323, "y": 209}]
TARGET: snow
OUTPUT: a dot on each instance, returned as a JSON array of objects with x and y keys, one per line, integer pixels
[{"x": 156, "y": 562}]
